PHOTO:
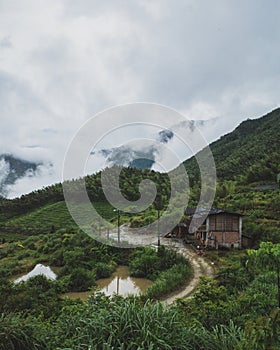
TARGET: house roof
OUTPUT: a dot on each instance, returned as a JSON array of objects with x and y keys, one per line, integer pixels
[{"x": 202, "y": 211}]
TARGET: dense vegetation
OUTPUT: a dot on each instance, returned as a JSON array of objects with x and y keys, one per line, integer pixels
[
  {"x": 219, "y": 316},
  {"x": 246, "y": 160},
  {"x": 129, "y": 179},
  {"x": 250, "y": 153},
  {"x": 238, "y": 309}
]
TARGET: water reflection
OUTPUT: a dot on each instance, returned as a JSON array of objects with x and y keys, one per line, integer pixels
[
  {"x": 118, "y": 283},
  {"x": 121, "y": 283}
]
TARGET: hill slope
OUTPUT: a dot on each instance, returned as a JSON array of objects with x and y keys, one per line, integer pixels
[
  {"x": 247, "y": 155},
  {"x": 251, "y": 150}
]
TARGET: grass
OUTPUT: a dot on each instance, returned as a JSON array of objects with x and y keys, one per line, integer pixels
[
  {"x": 168, "y": 281},
  {"x": 53, "y": 217}
]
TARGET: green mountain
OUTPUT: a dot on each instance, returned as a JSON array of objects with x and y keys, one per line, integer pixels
[
  {"x": 245, "y": 158},
  {"x": 251, "y": 152}
]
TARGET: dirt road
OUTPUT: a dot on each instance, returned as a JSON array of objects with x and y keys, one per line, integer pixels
[{"x": 201, "y": 267}]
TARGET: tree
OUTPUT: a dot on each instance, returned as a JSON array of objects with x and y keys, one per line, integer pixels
[{"x": 268, "y": 257}]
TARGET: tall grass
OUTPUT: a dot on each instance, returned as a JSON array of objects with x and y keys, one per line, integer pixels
[
  {"x": 19, "y": 333},
  {"x": 120, "y": 324},
  {"x": 105, "y": 323},
  {"x": 168, "y": 281}
]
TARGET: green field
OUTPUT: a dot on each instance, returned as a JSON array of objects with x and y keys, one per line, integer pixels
[{"x": 52, "y": 217}]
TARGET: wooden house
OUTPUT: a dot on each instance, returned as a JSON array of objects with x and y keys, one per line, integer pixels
[{"x": 220, "y": 228}]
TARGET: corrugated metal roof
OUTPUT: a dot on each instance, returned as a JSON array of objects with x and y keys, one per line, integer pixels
[{"x": 202, "y": 211}]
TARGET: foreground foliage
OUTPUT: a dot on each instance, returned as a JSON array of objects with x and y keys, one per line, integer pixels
[
  {"x": 118, "y": 323},
  {"x": 238, "y": 311}
]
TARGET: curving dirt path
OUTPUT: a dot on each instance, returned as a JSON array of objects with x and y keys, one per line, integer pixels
[{"x": 201, "y": 267}]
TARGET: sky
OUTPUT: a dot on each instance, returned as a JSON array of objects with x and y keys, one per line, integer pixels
[{"x": 63, "y": 61}]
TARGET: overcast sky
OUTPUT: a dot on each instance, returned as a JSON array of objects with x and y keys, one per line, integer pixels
[{"x": 63, "y": 61}]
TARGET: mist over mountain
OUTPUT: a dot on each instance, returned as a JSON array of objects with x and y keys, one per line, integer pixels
[
  {"x": 129, "y": 156},
  {"x": 13, "y": 169},
  {"x": 148, "y": 154},
  {"x": 252, "y": 149},
  {"x": 142, "y": 163}
]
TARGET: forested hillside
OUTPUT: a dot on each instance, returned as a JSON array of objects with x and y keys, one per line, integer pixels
[{"x": 250, "y": 153}]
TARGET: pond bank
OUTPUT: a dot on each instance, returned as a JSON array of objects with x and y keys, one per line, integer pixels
[{"x": 118, "y": 283}]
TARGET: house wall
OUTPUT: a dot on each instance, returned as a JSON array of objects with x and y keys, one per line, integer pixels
[
  {"x": 224, "y": 222},
  {"x": 225, "y": 239},
  {"x": 221, "y": 230},
  {"x": 226, "y": 229}
]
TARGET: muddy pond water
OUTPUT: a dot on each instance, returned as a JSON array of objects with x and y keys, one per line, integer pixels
[{"x": 119, "y": 283}]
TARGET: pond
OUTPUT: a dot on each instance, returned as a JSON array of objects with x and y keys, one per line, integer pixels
[
  {"x": 39, "y": 269},
  {"x": 119, "y": 283}
]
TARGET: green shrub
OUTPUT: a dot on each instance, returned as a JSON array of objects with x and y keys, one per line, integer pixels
[
  {"x": 168, "y": 281},
  {"x": 144, "y": 263},
  {"x": 103, "y": 270},
  {"x": 81, "y": 280}
]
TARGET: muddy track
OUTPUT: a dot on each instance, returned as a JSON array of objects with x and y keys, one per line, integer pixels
[{"x": 201, "y": 267}]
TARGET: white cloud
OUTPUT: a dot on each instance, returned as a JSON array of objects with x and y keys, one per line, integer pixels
[
  {"x": 63, "y": 61},
  {"x": 43, "y": 176},
  {"x": 4, "y": 170}
]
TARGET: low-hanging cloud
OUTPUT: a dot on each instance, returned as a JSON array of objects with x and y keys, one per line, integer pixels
[
  {"x": 62, "y": 62},
  {"x": 165, "y": 136},
  {"x": 128, "y": 155}
]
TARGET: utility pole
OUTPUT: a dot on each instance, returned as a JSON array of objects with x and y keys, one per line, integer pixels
[
  {"x": 158, "y": 207},
  {"x": 108, "y": 231},
  {"x": 99, "y": 220},
  {"x": 158, "y": 234},
  {"x": 119, "y": 232},
  {"x": 119, "y": 224}
]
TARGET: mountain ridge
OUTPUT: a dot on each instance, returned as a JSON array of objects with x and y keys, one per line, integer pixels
[
  {"x": 249, "y": 154},
  {"x": 251, "y": 150}
]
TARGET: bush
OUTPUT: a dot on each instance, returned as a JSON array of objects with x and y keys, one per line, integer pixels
[
  {"x": 144, "y": 263},
  {"x": 103, "y": 270},
  {"x": 81, "y": 280}
]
